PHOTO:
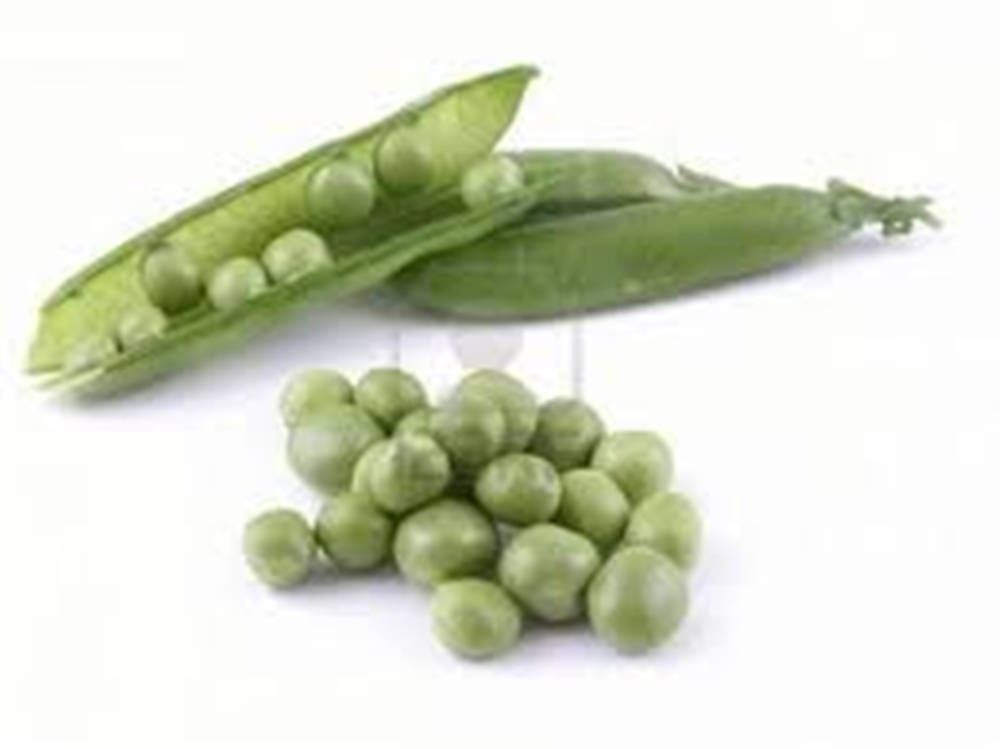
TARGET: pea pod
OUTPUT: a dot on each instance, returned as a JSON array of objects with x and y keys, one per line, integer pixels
[
  {"x": 80, "y": 323},
  {"x": 650, "y": 250}
]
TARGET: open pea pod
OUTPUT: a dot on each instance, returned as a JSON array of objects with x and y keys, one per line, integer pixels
[{"x": 365, "y": 205}]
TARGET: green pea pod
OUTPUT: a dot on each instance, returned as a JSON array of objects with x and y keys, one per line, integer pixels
[
  {"x": 650, "y": 250},
  {"x": 87, "y": 325}
]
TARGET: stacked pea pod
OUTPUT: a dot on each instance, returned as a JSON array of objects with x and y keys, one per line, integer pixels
[{"x": 502, "y": 507}]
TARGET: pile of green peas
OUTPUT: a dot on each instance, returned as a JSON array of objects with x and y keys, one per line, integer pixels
[{"x": 503, "y": 507}]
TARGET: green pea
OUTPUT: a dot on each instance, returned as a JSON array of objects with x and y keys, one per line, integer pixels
[
  {"x": 389, "y": 395},
  {"x": 592, "y": 504},
  {"x": 236, "y": 282},
  {"x": 475, "y": 618},
  {"x": 415, "y": 422},
  {"x": 410, "y": 471},
  {"x": 295, "y": 254},
  {"x": 171, "y": 279},
  {"x": 140, "y": 325},
  {"x": 352, "y": 532},
  {"x": 279, "y": 547},
  {"x": 361, "y": 476},
  {"x": 567, "y": 432},
  {"x": 639, "y": 462},
  {"x": 311, "y": 390},
  {"x": 490, "y": 180},
  {"x": 404, "y": 161},
  {"x": 547, "y": 568},
  {"x": 90, "y": 352},
  {"x": 668, "y": 523},
  {"x": 323, "y": 447},
  {"x": 443, "y": 541},
  {"x": 637, "y": 600},
  {"x": 518, "y": 404},
  {"x": 519, "y": 489},
  {"x": 341, "y": 193},
  {"x": 470, "y": 428}
]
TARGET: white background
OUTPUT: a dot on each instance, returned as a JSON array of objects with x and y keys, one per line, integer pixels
[{"x": 838, "y": 424}]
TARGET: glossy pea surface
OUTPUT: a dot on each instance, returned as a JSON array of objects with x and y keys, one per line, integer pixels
[
  {"x": 295, "y": 254},
  {"x": 470, "y": 428},
  {"x": 312, "y": 390},
  {"x": 475, "y": 618},
  {"x": 519, "y": 489},
  {"x": 667, "y": 522},
  {"x": 637, "y": 600},
  {"x": 409, "y": 471},
  {"x": 517, "y": 403},
  {"x": 236, "y": 282},
  {"x": 279, "y": 547},
  {"x": 567, "y": 432},
  {"x": 341, "y": 193},
  {"x": 404, "y": 161},
  {"x": 592, "y": 504},
  {"x": 324, "y": 447},
  {"x": 171, "y": 280},
  {"x": 444, "y": 540},
  {"x": 491, "y": 179},
  {"x": 639, "y": 462},
  {"x": 352, "y": 532},
  {"x": 389, "y": 394}
]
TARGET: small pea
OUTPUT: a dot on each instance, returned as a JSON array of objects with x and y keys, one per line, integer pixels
[
  {"x": 567, "y": 432},
  {"x": 639, "y": 462},
  {"x": 279, "y": 547},
  {"x": 475, "y": 618},
  {"x": 491, "y": 179},
  {"x": 352, "y": 532},
  {"x": 592, "y": 504},
  {"x": 171, "y": 279},
  {"x": 140, "y": 325},
  {"x": 236, "y": 282},
  {"x": 546, "y": 568},
  {"x": 415, "y": 422},
  {"x": 410, "y": 471},
  {"x": 295, "y": 254},
  {"x": 341, "y": 193},
  {"x": 444, "y": 540},
  {"x": 404, "y": 160},
  {"x": 91, "y": 351},
  {"x": 470, "y": 428},
  {"x": 518, "y": 404},
  {"x": 389, "y": 395},
  {"x": 637, "y": 600},
  {"x": 311, "y": 390},
  {"x": 519, "y": 489},
  {"x": 668, "y": 523},
  {"x": 324, "y": 447}
]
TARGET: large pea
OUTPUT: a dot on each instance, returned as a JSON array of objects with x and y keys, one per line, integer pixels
[
  {"x": 470, "y": 428},
  {"x": 668, "y": 523},
  {"x": 547, "y": 568},
  {"x": 415, "y": 422},
  {"x": 171, "y": 279},
  {"x": 294, "y": 254},
  {"x": 324, "y": 447},
  {"x": 408, "y": 472},
  {"x": 404, "y": 160},
  {"x": 312, "y": 390},
  {"x": 639, "y": 462},
  {"x": 637, "y": 599},
  {"x": 389, "y": 394},
  {"x": 518, "y": 404},
  {"x": 519, "y": 489},
  {"x": 360, "y": 477},
  {"x": 279, "y": 547},
  {"x": 236, "y": 282},
  {"x": 567, "y": 432},
  {"x": 475, "y": 618},
  {"x": 491, "y": 179},
  {"x": 592, "y": 504},
  {"x": 444, "y": 540},
  {"x": 341, "y": 193},
  {"x": 352, "y": 532}
]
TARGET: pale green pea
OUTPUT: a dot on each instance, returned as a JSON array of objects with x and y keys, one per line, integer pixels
[
  {"x": 295, "y": 254},
  {"x": 592, "y": 504},
  {"x": 517, "y": 403},
  {"x": 409, "y": 471},
  {"x": 475, "y": 618},
  {"x": 311, "y": 390},
  {"x": 668, "y": 523},
  {"x": 353, "y": 533},
  {"x": 470, "y": 428},
  {"x": 235, "y": 282},
  {"x": 341, "y": 193},
  {"x": 567, "y": 432},
  {"x": 324, "y": 447},
  {"x": 404, "y": 161},
  {"x": 639, "y": 462},
  {"x": 519, "y": 489},
  {"x": 360, "y": 483},
  {"x": 389, "y": 395},
  {"x": 171, "y": 279},
  {"x": 415, "y": 422},
  {"x": 90, "y": 352},
  {"x": 279, "y": 547},
  {"x": 140, "y": 325},
  {"x": 491, "y": 179}
]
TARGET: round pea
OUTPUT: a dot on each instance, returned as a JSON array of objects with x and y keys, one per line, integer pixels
[
  {"x": 91, "y": 351},
  {"x": 519, "y": 489},
  {"x": 639, "y": 462},
  {"x": 470, "y": 428},
  {"x": 235, "y": 282},
  {"x": 140, "y": 325},
  {"x": 444, "y": 540},
  {"x": 518, "y": 404},
  {"x": 547, "y": 568},
  {"x": 415, "y": 422},
  {"x": 637, "y": 599},
  {"x": 567, "y": 432},
  {"x": 490, "y": 180},
  {"x": 279, "y": 547},
  {"x": 341, "y": 193},
  {"x": 171, "y": 279},
  {"x": 389, "y": 395},
  {"x": 352, "y": 532},
  {"x": 408, "y": 472},
  {"x": 311, "y": 390},
  {"x": 295, "y": 254},
  {"x": 475, "y": 618},
  {"x": 360, "y": 477},
  {"x": 668, "y": 523},
  {"x": 592, "y": 504},
  {"x": 404, "y": 160},
  {"x": 323, "y": 447}
]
